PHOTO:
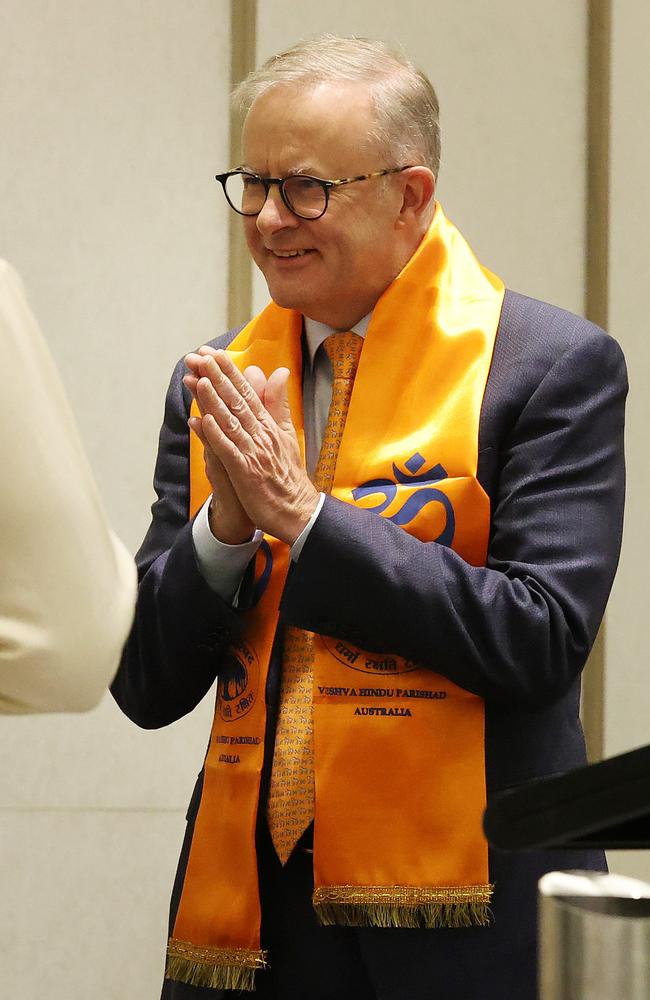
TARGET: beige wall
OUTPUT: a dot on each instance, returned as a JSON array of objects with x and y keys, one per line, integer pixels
[
  {"x": 511, "y": 81},
  {"x": 628, "y": 685},
  {"x": 627, "y": 692},
  {"x": 112, "y": 125}
]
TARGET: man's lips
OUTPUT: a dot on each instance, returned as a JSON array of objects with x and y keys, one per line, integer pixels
[{"x": 291, "y": 254}]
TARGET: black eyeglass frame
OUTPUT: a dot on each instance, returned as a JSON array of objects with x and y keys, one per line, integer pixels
[{"x": 326, "y": 185}]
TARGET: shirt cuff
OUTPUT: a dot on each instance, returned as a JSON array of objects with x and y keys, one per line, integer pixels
[
  {"x": 222, "y": 566},
  {"x": 297, "y": 546}
]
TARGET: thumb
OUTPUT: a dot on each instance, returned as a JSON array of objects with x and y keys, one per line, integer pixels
[
  {"x": 276, "y": 398},
  {"x": 257, "y": 379}
]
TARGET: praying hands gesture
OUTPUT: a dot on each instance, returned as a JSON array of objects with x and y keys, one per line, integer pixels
[{"x": 252, "y": 456}]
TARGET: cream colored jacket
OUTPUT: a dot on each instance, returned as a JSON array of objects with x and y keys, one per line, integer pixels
[{"x": 67, "y": 584}]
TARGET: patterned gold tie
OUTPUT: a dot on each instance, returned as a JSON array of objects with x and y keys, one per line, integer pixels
[{"x": 291, "y": 797}]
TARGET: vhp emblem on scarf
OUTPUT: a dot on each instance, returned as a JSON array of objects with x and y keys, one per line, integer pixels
[{"x": 238, "y": 682}]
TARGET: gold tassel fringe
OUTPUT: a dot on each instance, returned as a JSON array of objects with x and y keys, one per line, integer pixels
[
  {"x": 216, "y": 968},
  {"x": 403, "y": 906}
]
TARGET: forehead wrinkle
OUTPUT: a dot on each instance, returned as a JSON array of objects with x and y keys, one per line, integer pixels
[
  {"x": 291, "y": 166},
  {"x": 290, "y": 172}
]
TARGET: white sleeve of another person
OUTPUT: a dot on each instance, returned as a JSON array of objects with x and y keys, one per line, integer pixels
[{"x": 67, "y": 584}]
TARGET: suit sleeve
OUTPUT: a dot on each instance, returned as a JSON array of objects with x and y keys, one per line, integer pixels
[
  {"x": 67, "y": 586},
  {"x": 181, "y": 626},
  {"x": 518, "y": 630}
]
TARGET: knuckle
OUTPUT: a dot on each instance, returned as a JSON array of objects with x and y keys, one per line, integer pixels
[{"x": 263, "y": 440}]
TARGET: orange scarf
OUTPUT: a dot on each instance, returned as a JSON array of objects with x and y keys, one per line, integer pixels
[{"x": 388, "y": 852}]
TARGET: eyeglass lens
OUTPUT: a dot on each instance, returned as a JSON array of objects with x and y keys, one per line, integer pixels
[{"x": 304, "y": 195}]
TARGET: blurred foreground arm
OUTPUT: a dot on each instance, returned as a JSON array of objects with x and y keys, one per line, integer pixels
[{"x": 67, "y": 584}]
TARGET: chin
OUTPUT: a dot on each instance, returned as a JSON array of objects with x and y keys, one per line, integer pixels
[{"x": 289, "y": 298}]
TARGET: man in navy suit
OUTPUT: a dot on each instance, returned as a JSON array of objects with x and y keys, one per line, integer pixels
[{"x": 517, "y": 632}]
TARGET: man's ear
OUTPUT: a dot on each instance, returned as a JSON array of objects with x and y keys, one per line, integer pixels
[{"x": 418, "y": 191}]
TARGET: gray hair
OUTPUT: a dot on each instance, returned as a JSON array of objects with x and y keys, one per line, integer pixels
[{"x": 406, "y": 107}]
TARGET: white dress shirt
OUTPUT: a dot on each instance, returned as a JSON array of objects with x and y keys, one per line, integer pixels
[
  {"x": 223, "y": 566},
  {"x": 67, "y": 584}
]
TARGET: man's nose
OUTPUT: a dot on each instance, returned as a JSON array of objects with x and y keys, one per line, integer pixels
[{"x": 274, "y": 214}]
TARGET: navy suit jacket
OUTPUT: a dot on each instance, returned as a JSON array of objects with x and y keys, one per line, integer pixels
[{"x": 517, "y": 631}]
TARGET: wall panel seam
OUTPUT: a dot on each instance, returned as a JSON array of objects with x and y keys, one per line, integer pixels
[
  {"x": 243, "y": 42},
  {"x": 599, "y": 20}
]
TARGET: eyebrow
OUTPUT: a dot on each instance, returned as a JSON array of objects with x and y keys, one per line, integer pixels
[{"x": 292, "y": 172}]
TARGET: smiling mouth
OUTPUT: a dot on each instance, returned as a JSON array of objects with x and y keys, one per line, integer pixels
[{"x": 288, "y": 254}]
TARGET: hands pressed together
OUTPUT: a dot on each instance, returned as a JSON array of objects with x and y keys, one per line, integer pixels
[{"x": 252, "y": 455}]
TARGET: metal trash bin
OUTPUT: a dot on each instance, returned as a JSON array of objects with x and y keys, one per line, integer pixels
[{"x": 594, "y": 937}]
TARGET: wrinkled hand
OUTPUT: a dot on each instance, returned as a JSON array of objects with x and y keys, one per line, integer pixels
[
  {"x": 227, "y": 518},
  {"x": 256, "y": 444}
]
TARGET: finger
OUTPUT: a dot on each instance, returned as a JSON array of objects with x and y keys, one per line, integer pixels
[
  {"x": 213, "y": 405},
  {"x": 221, "y": 445},
  {"x": 231, "y": 372},
  {"x": 213, "y": 465},
  {"x": 194, "y": 358},
  {"x": 253, "y": 375},
  {"x": 276, "y": 397},
  {"x": 230, "y": 395},
  {"x": 256, "y": 378},
  {"x": 193, "y": 361},
  {"x": 192, "y": 382},
  {"x": 196, "y": 426},
  {"x": 189, "y": 381}
]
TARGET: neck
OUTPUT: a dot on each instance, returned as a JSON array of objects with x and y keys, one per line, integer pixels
[{"x": 341, "y": 323}]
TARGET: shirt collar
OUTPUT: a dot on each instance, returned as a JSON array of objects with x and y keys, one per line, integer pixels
[{"x": 315, "y": 333}]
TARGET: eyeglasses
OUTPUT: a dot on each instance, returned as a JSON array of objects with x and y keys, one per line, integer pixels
[{"x": 305, "y": 196}]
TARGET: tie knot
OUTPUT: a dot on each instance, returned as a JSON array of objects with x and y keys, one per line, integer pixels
[{"x": 344, "y": 351}]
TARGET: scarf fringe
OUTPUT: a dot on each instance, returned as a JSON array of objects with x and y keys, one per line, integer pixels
[
  {"x": 403, "y": 906},
  {"x": 214, "y": 968}
]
